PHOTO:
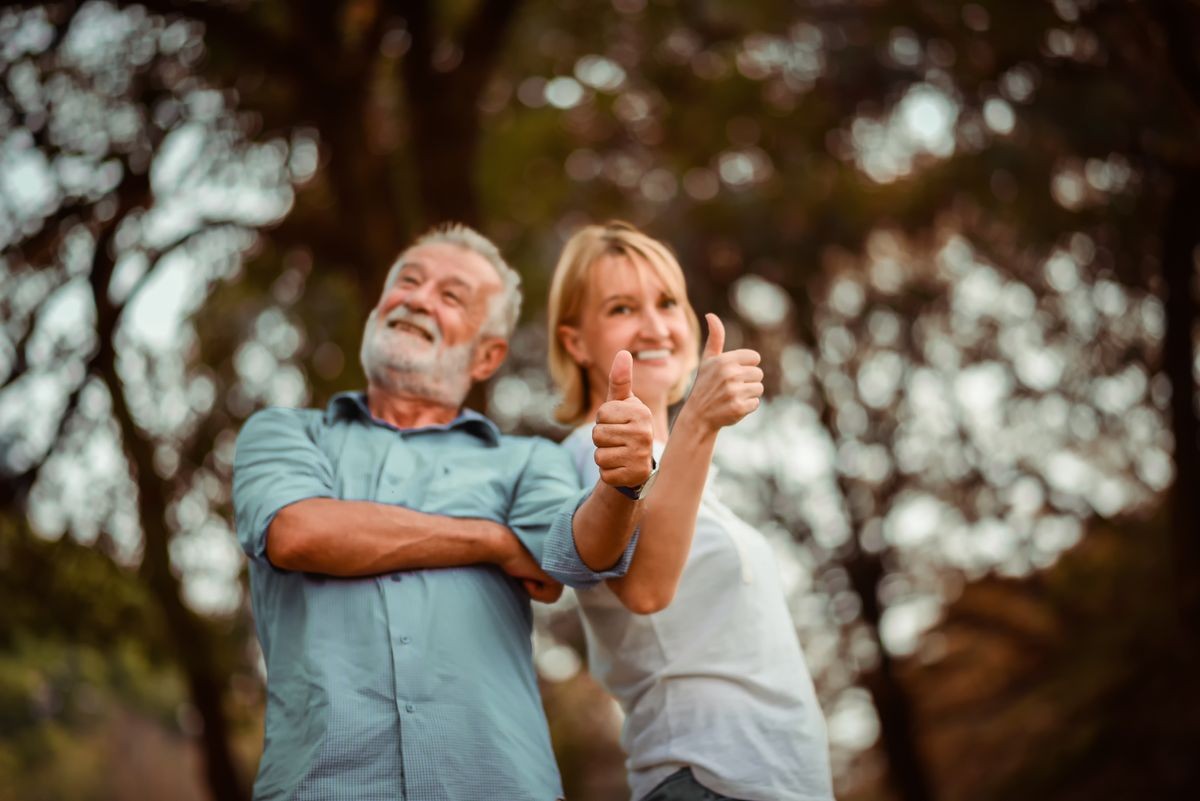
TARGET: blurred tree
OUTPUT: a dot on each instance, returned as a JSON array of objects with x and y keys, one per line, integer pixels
[
  {"x": 82, "y": 660},
  {"x": 962, "y": 236},
  {"x": 1021, "y": 683},
  {"x": 130, "y": 171},
  {"x": 887, "y": 167},
  {"x": 125, "y": 174}
]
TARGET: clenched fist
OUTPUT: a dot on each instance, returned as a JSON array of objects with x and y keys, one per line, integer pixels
[
  {"x": 624, "y": 432},
  {"x": 728, "y": 386},
  {"x": 517, "y": 562}
]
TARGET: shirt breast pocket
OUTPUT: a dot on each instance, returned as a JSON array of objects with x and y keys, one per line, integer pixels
[
  {"x": 461, "y": 491},
  {"x": 358, "y": 461},
  {"x": 357, "y": 477}
]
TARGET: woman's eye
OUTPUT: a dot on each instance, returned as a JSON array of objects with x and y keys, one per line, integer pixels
[
  {"x": 668, "y": 303},
  {"x": 621, "y": 308}
]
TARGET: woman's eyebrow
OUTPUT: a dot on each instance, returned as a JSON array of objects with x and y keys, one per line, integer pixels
[{"x": 611, "y": 298}]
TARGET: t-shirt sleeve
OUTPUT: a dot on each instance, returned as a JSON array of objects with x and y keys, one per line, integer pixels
[
  {"x": 547, "y": 496},
  {"x": 583, "y": 455},
  {"x": 277, "y": 463}
]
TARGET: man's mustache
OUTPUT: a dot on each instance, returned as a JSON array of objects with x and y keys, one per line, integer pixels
[{"x": 424, "y": 323}]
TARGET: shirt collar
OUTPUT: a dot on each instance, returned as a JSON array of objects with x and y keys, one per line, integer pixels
[{"x": 353, "y": 405}]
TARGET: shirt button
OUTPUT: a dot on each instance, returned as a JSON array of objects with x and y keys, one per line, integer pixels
[
  {"x": 406, "y": 639},
  {"x": 397, "y": 577},
  {"x": 409, "y": 708}
]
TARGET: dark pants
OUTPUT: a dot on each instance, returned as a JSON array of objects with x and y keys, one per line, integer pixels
[{"x": 682, "y": 786}]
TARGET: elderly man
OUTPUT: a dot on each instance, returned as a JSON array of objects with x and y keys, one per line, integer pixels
[{"x": 393, "y": 537}]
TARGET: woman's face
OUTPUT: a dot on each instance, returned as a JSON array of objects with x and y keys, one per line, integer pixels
[{"x": 626, "y": 306}]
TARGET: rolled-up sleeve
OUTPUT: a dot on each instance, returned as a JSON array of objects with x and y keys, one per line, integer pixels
[
  {"x": 277, "y": 463},
  {"x": 542, "y": 516}
]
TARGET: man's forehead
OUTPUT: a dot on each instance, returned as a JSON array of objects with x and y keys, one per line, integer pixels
[{"x": 448, "y": 260}]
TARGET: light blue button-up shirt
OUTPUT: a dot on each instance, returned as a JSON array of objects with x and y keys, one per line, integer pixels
[{"x": 417, "y": 684}]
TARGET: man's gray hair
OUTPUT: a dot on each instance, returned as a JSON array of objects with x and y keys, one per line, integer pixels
[{"x": 506, "y": 305}]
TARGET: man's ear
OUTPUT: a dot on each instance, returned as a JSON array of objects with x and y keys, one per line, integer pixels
[
  {"x": 489, "y": 355},
  {"x": 572, "y": 342}
]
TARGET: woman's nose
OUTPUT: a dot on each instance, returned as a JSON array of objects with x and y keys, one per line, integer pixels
[{"x": 653, "y": 324}]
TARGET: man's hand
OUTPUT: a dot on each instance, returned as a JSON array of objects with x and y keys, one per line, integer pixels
[
  {"x": 728, "y": 386},
  {"x": 518, "y": 563},
  {"x": 624, "y": 432}
]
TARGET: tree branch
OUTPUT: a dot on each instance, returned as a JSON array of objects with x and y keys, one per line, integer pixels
[
  {"x": 254, "y": 43},
  {"x": 187, "y": 631},
  {"x": 15, "y": 489},
  {"x": 483, "y": 40},
  {"x": 1180, "y": 31}
]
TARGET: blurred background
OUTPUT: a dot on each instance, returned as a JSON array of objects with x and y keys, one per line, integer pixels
[{"x": 962, "y": 234}]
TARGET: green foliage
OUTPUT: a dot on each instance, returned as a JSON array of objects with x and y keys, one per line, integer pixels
[
  {"x": 767, "y": 140},
  {"x": 69, "y": 592},
  {"x": 1076, "y": 683},
  {"x": 79, "y": 649}
]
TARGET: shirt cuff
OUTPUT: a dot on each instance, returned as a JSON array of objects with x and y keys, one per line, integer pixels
[
  {"x": 561, "y": 559},
  {"x": 254, "y": 540}
]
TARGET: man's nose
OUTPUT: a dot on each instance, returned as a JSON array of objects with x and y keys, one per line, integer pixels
[{"x": 419, "y": 298}]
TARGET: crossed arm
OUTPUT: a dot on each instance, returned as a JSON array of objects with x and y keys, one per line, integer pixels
[
  {"x": 364, "y": 538},
  {"x": 301, "y": 528}
]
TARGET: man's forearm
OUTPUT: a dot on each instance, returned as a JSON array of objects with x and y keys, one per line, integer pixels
[
  {"x": 363, "y": 538},
  {"x": 602, "y": 527}
]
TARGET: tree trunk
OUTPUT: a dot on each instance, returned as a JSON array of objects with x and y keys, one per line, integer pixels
[
  {"x": 363, "y": 184},
  {"x": 906, "y": 769},
  {"x": 1181, "y": 238},
  {"x": 185, "y": 630},
  {"x": 907, "y": 773},
  {"x": 443, "y": 103}
]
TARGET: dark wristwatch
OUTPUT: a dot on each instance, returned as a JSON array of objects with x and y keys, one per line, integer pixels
[{"x": 639, "y": 492}]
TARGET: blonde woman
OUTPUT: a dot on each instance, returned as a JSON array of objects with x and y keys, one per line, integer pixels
[{"x": 718, "y": 700}]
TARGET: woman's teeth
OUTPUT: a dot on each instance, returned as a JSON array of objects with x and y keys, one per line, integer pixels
[{"x": 646, "y": 355}]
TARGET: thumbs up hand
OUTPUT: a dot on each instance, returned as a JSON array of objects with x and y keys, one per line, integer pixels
[
  {"x": 620, "y": 377},
  {"x": 624, "y": 432},
  {"x": 728, "y": 386}
]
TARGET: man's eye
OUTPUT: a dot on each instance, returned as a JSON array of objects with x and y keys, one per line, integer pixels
[
  {"x": 453, "y": 298},
  {"x": 408, "y": 280}
]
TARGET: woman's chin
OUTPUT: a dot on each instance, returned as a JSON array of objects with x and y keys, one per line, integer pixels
[{"x": 654, "y": 378}]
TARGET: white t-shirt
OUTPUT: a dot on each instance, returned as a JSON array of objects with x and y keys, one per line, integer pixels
[{"x": 716, "y": 681}]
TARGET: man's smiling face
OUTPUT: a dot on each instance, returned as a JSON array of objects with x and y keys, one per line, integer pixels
[{"x": 420, "y": 338}]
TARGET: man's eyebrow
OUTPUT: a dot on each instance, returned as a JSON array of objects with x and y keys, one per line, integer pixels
[{"x": 456, "y": 282}]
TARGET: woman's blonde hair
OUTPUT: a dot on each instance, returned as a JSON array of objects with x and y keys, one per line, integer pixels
[{"x": 568, "y": 287}]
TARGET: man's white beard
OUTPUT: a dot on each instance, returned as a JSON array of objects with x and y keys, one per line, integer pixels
[{"x": 436, "y": 373}]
